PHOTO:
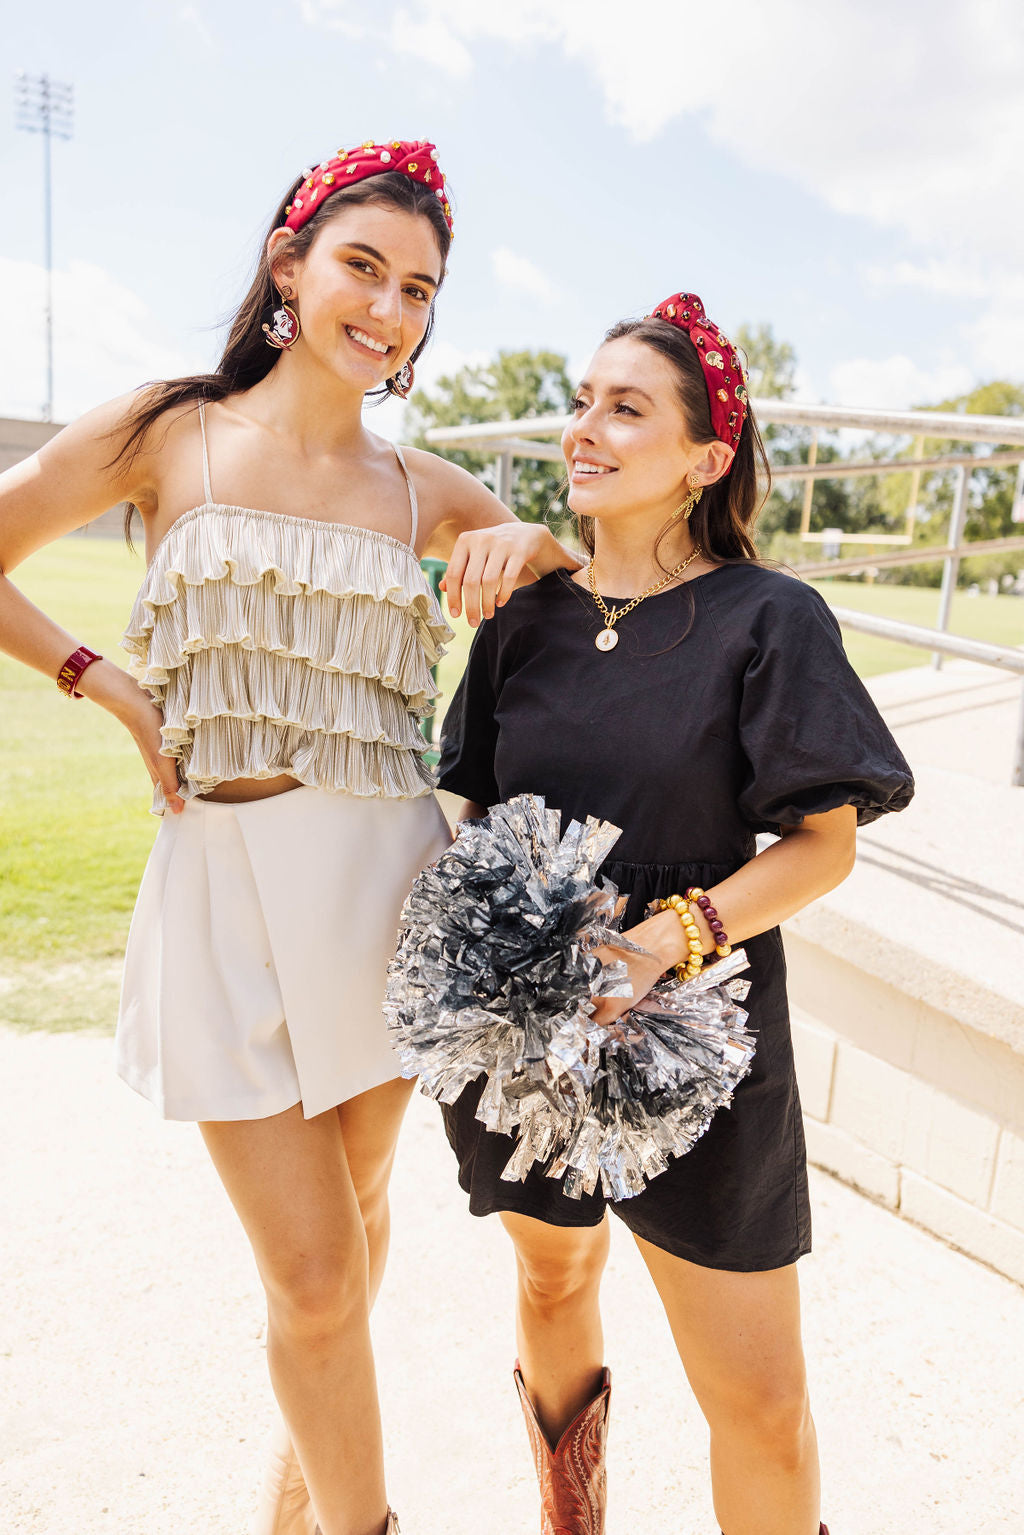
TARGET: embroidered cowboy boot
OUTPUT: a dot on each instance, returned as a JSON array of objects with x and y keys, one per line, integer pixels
[
  {"x": 573, "y": 1483},
  {"x": 284, "y": 1507}
]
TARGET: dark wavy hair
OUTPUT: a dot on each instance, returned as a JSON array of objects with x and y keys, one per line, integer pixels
[
  {"x": 723, "y": 520},
  {"x": 247, "y": 358}
]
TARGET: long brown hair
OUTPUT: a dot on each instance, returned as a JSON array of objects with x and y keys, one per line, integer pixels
[
  {"x": 247, "y": 358},
  {"x": 722, "y": 522}
]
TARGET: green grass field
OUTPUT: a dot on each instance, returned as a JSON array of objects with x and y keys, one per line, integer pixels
[
  {"x": 74, "y": 823},
  {"x": 1000, "y": 620}
]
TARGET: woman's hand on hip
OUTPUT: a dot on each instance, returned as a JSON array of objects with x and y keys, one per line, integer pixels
[{"x": 118, "y": 693}]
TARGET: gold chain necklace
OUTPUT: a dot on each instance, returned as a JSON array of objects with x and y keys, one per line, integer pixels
[{"x": 608, "y": 639}]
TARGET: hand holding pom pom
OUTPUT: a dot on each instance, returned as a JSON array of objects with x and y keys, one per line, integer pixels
[{"x": 498, "y": 974}]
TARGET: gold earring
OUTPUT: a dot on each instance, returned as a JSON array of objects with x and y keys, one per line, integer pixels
[{"x": 696, "y": 491}]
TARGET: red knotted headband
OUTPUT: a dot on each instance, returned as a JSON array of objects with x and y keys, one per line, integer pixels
[
  {"x": 416, "y": 158},
  {"x": 723, "y": 371}
]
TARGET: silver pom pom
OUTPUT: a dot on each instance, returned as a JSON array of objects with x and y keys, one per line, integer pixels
[{"x": 496, "y": 976}]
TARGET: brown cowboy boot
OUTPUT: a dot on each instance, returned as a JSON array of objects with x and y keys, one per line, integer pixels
[
  {"x": 573, "y": 1484},
  {"x": 284, "y": 1507}
]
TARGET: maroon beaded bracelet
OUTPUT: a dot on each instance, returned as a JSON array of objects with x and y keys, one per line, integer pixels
[
  {"x": 713, "y": 920},
  {"x": 74, "y": 666}
]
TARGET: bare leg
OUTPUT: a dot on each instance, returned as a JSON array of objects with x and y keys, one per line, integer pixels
[
  {"x": 290, "y": 1182},
  {"x": 738, "y": 1336},
  {"x": 369, "y": 1127},
  {"x": 558, "y": 1322}
]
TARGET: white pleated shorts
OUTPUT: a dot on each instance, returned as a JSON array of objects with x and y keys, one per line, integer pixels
[{"x": 256, "y": 964}]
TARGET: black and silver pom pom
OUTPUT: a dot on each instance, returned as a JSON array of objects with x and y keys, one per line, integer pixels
[{"x": 496, "y": 976}]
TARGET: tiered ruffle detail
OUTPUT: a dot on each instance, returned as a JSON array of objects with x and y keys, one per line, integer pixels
[{"x": 278, "y": 644}]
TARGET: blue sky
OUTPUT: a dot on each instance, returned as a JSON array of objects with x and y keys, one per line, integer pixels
[{"x": 847, "y": 172}]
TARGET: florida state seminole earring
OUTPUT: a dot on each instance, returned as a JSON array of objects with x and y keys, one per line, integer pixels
[
  {"x": 280, "y": 326},
  {"x": 401, "y": 384}
]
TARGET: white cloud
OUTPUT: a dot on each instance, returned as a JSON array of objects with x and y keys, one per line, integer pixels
[
  {"x": 325, "y": 15},
  {"x": 910, "y": 116},
  {"x": 106, "y": 340},
  {"x": 518, "y": 272},
  {"x": 896, "y": 383},
  {"x": 432, "y": 42},
  {"x": 947, "y": 279},
  {"x": 193, "y": 18},
  {"x": 990, "y": 315},
  {"x": 804, "y": 390},
  {"x": 513, "y": 21},
  {"x": 443, "y": 358}
]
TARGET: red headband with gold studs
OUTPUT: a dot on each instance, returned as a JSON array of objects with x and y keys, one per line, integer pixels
[
  {"x": 416, "y": 158},
  {"x": 723, "y": 371}
]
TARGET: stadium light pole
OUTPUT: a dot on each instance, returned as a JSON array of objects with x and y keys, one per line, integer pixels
[{"x": 45, "y": 106}]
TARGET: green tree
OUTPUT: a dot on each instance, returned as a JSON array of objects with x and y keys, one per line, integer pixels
[
  {"x": 771, "y": 364},
  {"x": 511, "y": 387},
  {"x": 990, "y": 503},
  {"x": 771, "y": 372}
]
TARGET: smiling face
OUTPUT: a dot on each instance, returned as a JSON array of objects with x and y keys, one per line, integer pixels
[
  {"x": 628, "y": 449},
  {"x": 363, "y": 290}
]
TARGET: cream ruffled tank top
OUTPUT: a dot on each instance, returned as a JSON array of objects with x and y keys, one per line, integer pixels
[{"x": 277, "y": 644}]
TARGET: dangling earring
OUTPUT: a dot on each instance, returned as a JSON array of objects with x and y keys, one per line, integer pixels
[
  {"x": 696, "y": 491},
  {"x": 280, "y": 325},
  {"x": 401, "y": 384}
]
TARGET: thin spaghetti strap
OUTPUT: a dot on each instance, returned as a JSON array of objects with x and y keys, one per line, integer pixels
[
  {"x": 413, "y": 506},
  {"x": 207, "y": 489}
]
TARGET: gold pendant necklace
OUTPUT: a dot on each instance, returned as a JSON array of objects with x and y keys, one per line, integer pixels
[{"x": 608, "y": 639}]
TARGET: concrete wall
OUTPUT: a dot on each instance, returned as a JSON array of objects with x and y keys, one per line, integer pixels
[
  {"x": 907, "y": 982},
  {"x": 910, "y": 1106},
  {"x": 19, "y": 439}
]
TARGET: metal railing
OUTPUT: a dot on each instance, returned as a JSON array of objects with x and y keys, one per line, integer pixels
[
  {"x": 1001, "y": 656},
  {"x": 531, "y": 438}
]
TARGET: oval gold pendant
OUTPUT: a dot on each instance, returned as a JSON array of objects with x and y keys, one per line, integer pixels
[{"x": 607, "y": 640}]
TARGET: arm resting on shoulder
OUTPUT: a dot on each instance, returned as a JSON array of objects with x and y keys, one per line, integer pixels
[{"x": 488, "y": 549}]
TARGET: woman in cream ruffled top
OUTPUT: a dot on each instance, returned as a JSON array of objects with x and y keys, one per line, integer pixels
[
  {"x": 284, "y": 658},
  {"x": 288, "y": 645}
]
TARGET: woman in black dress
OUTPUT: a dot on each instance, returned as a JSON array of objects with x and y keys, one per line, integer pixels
[{"x": 695, "y": 698}]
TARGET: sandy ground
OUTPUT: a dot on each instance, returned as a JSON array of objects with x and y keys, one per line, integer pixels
[{"x": 133, "y": 1392}]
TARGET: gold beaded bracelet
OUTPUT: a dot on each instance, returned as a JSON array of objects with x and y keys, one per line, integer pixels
[{"x": 693, "y": 964}]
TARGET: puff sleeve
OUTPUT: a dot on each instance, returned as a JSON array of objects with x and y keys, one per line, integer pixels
[
  {"x": 469, "y": 735},
  {"x": 811, "y": 736}
]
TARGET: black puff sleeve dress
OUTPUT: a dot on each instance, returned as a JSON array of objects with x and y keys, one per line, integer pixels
[{"x": 728, "y": 708}]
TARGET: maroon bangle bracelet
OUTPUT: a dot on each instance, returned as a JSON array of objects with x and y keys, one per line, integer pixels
[
  {"x": 713, "y": 920},
  {"x": 74, "y": 666}
]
